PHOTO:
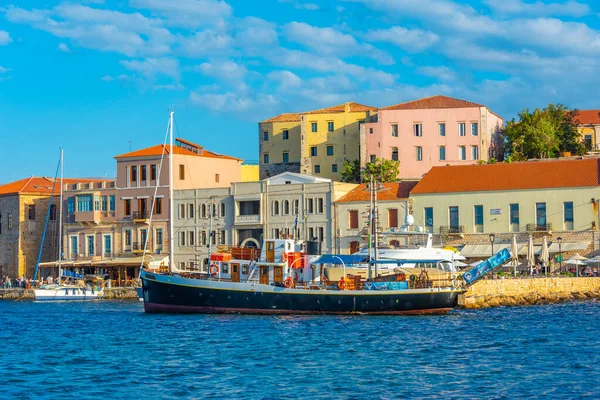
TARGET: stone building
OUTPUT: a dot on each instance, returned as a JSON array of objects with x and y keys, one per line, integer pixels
[
  {"x": 248, "y": 212},
  {"x": 24, "y": 206}
]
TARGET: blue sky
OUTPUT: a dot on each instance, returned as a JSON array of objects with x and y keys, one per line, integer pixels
[{"x": 98, "y": 76}]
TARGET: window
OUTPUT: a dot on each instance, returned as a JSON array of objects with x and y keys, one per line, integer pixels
[
  {"x": 159, "y": 237},
  {"x": 419, "y": 151},
  {"x": 313, "y": 126},
  {"x": 265, "y": 158},
  {"x": 143, "y": 236},
  {"x": 474, "y": 130},
  {"x": 418, "y": 129},
  {"x": 370, "y": 131},
  {"x": 462, "y": 129},
  {"x": 181, "y": 211},
  {"x": 321, "y": 233},
  {"x": 442, "y": 153},
  {"x": 74, "y": 246},
  {"x": 540, "y": 215},
  {"x": 111, "y": 203},
  {"x": 107, "y": 245},
  {"x": 478, "y": 215},
  {"x": 90, "y": 246},
  {"x": 134, "y": 173},
  {"x": 330, "y": 126},
  {"x": 320, "y": 205},
  {"x": 442, "y": 128},
  {"x": 462, "y": 153},
  {"x": 190, "y": 210},
  {"x": 313, "y": 151},
  {"x": 182, "y": 238},
  {"x": 158, "y": 205},
  {"x": 71, "y": 204},
  {"x": 311, "y": 234},
  {"x": 217, "y": 178},
  {"x": 96, "y": 203},
  {"x": 310, "y": 206},
  {"x": 317, "y": 169},
  {"x": 222, "y": 209},
  {"x": 475, "y": 152},
  {"x": 191, "y": 238},
  {"x": 203, "y": 237},
  {"x": 128, "y": 237},
  {"x": 104, "y": 203},
  {"x": 286, "y": 134},
  {"x": 181, "y": 172},
  {"x": 276, "y": 233},
  {"x": 296, "y": 206},
  {"x": 84, "y": 203},
  {"x": 286, "y": 157},
  {"x": 329, "y": 150},
  {"x": 153, "y": 172},
  {"x": 372, "y": 158},
  {"x": 53, "y": 212},
  {"x": 275, "y": 207},
  {"x": 222, "y": 237},
  {"x": 395, "y": 130},
  {"x": 31, "y": 212},
  {"x": 429, "y": 219},
  {"x": 203, "y": 211},
  {"x": 213, "y": 237},
  {"x": 266, "y": 136},
  {"x": 353, "y": 215},
  {"x": 144, "y": 172},
  {"x": 514, "y": 217},
  {"x": 286, "y": 207},
  {"x": 568, "y": 215},
  {"x": 394, "y": 154},
  {"x": 334, "y": 168},
  {"x": 393, "y": 217},
  {"x": 453, "y": 214}
]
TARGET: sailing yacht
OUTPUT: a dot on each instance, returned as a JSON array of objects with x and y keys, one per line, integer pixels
[{"x": 70, "y": 286}]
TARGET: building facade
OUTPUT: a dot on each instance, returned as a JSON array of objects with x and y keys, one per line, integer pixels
[
  {"x": 316, "y": 142},
  {"x": 588, "y": 125},
  {"x": 287, "y": 205},
  {"x": 429, "y": 132}
]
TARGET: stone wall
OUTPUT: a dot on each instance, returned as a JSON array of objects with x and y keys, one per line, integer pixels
[
  {"x": 528, "y": 291},
  {"x": 269, "y": 170},
  {"x": 9, "y": 235}
]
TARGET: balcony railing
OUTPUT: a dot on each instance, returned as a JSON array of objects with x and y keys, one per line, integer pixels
[
  {"x": 248, "y": 219},
  {"x": 449, "y": 230},
  {"x": 139, "y": 247},
  {"x": 141, "y": 215},
  {"x": 539, "y": 228}
]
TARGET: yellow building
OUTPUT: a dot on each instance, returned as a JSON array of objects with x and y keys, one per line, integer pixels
[
  {"x": 315, "y": 142},
  {"x": 250, "y": 172},
  {"x": 588, "y": 125}
]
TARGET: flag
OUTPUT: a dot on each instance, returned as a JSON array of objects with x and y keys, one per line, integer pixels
[{"x": 295, "y": 222}]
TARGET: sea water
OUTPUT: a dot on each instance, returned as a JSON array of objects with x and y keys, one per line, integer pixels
[{"x": 106, "y": 349}]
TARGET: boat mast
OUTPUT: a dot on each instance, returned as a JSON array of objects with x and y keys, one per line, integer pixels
[
  {"x": 375, "y": 212},
  {"x": 210, "y": 232},
  {"x": 60, "y": 217},
  {"x": 171, "y": 201},
  {"x": 370, "y": 224}
]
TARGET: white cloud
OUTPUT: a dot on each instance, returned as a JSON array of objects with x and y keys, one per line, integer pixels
[
  {"x": 227, "y": 70},
  {"x": 308, "y": 6},
  {"x": 323, "y": 40},
  {"x": 539, "y": 8},
  {"x": 152, "y": 67},
  {"x": 122, "y": 77},
  {"x": 285, "y": 79},
  {"x": 64, "y": 48},
  {"x": 252, "y": 32},
  {"x": 187, "y": 13},
  {"x": 408, "y": 39},
  {"x": 4, "y": 38},
  {"x": 206, "y": 43},
  {"x": 443, "y": 73},
  {"x": 234, "y": 102},
  {"x": 4, "y": 70}
]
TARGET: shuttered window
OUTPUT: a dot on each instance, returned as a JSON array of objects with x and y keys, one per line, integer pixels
[
  {"x": 353, "y": 219},
  {"x": 393, "y": 217}
]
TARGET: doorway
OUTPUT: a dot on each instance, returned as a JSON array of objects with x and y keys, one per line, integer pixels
[{"x": 235, "y": 272}]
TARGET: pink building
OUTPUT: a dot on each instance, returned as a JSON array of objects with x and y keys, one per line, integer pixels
[{"x": 430, "y": 132}]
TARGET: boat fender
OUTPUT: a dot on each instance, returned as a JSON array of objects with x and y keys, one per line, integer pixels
[
  {"x": 284, "y": 257},
  {"x": 413, "y": 278},
  {"x": 288, "y": 283},
  {"x": 342, "y": 284},
  {"x": 214, "y": 269}
]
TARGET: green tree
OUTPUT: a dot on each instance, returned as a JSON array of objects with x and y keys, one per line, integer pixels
[
  {"x": 351, "y": 171},
  {"x": 382, "y": 170}
]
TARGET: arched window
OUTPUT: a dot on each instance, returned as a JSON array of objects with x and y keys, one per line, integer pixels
[
  {"x": 394, "y": 243},
  {"x": 275, "y": 207},
  {"x": 286, "y": 207},
  {"x": 296, "y": 206},
  {"x": 203, "y": 211},
  {"x": 222, "y": 209}
]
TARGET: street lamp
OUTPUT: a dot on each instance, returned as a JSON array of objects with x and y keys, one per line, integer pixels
[
  {"x": 559, "y": 240},
  {"x": 492, "y": 237}
]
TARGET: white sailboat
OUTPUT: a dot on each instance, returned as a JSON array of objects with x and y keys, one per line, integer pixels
[{"x": 68, "y": 287}]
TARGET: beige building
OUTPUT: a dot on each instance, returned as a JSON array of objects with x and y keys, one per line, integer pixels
[
  {"x": 588, "y": 125},
  {"x": 352, "y": 216},
  {"x": 248, "y": 212}
]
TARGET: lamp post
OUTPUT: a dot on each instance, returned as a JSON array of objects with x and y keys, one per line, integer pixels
[
  {"x": 492, "y": 237},
  {"x": 559, "y": 240}
]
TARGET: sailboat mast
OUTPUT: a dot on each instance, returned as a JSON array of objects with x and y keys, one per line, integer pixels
[
  {"x": 171, "y": 200},
  {"x": 370, "y": 224},
  {"x": 375, "y": 239},
  {"x": 60, "y": 217}
]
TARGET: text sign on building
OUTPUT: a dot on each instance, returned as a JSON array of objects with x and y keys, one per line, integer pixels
[{"x": 495, "y": 211}]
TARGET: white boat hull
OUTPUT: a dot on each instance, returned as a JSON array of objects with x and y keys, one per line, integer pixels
[{"x": 67, "y": 293}]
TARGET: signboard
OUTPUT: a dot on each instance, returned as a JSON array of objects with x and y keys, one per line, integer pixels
[{"x": 495, "y": 211}]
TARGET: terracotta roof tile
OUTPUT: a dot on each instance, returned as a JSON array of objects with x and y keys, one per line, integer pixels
[
  {"x": 394, "y": 191},
  {"x": 353, "y": 107},
  {"x": 158, "y": 150},
  {"x": 41, "y": 185},
  {"x": 433, "y": 102},
  {"x": 585, "y": 117},
  {"x": 289, "y": 117},
  {"x": 514, "y": 176}
]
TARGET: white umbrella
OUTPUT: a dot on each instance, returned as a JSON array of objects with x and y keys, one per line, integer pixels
[
  {"x": 530, "y": 255},
  {"x": 514, "y": 250},
  {"x": 460, "y": 264},
  {"x": 577, "y": 260},
  {"x": 545, "y": 254}
]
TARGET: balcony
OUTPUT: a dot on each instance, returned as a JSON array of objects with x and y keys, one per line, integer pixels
[
  {"x": 88, "y": 217},
  {"x": 452, "y": 230},
  {"x": 539, "y": 228},
  {"x": 141, "y": 216},
  {"x": 248, "y": 220},
  {"x": 139, "y": 247}
]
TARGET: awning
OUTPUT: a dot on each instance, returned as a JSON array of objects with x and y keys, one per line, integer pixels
[
  {"x": 482, "y": 250},
  {"x": 569, "y": 246},
  {"x": 340, "y": 259}
]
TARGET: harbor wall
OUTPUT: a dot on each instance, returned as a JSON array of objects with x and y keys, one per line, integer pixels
[
  {"x": 27, "y": 294},
  {"x": 529, "y": 291}
]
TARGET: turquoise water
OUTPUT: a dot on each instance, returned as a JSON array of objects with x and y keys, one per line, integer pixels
[{"x": 91, "y": 350}]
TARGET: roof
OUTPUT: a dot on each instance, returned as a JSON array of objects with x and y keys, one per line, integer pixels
[
  {"x": 438, "y": 101},
  {"x": 585, "y": 117},
  {"x": 340, "y": 108},
  {"x": 288, "y": 117},
  {"x": 158, "y": 150},
  {"x": 295, "y": 177},
  {"x": 513, "y": 176},
  {"x": 41, "y": 185},
  {"x": 394, "y": 191}
]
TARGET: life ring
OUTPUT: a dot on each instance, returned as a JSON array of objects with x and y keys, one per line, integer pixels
[
  {"x": 288, "y": 283},
  {"x": 214, "y": 269},
  {"x": 342, "y": 284},
  {"x": 284, "y": 257}
]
